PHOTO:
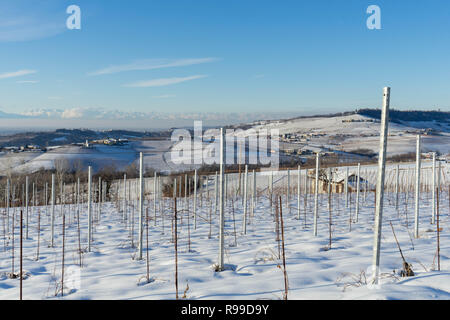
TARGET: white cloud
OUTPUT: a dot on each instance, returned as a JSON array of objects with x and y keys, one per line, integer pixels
[
  {"x": 20, "y": 21},
  {"x": 94, "y": 113},
  {"x": 150, "y": 64},
  {"x": 163, "y": 81},
  {"x": 27, "y": 81},
  {"x": 164, "y": 96},
  {"x": 74, "y": 113},
  {"x": 19, "y": 73}
]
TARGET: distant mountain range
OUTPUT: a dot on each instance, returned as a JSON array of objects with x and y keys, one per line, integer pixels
[
  {"x": 4, "y": 115},
  {"x": 104, "y": 114}
]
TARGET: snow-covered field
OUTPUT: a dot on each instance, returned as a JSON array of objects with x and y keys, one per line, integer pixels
[
  {"x": 343, "y": 135},
  {"x": 254, "y": 268},
  {"x": 361, "y": 134},
  {"x": 156, "y": 154}
]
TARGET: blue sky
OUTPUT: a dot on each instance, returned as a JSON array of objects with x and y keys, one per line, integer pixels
[{"x": 223, "y": 56}]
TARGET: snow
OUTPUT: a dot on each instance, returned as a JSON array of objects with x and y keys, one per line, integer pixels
[
  {"x": 336, "y": 134},
  {"x": 361, "y": 134},
  {"x": 253, "y": 272}
]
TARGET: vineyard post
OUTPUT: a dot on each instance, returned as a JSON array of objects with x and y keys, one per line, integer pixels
[
  {"x": 254, "y": 188},
  {"x": 185, "y": 192},
  {"x": 417, "y": 189},
  {"x": 154, "y": 198},
  {"x": 176, "y": 244},
  {"x": 346, "y": 187},
  {"x": 288, "y": 195},
  {"x": 433, "y": 188},
  {"x": 89, "y": 208},
  {"x": 286, "y": 285},
  {"x": 244, "y": 226},
  {"x": 438, "y": 232},
  {"x": 26, "y": 205},
  {"x": 380, "y": 185},
  {"x": 358, "y": 178},
  {"x": 221, "y": 209},
  {"x": 124, "y": 217},
  {"x": 271, "y": 190},
  {"x": 195, "y": 200},
  {"x": 329, "y": 188},
  {"x": 99, "y": 198},
  {"x": 141, "y": 202},
  {"x": 8, "y": 186},
  {"x": 53, "y": 210},
  {"x": 316, "y": 194},
  {"x": 78, "y": 193},
  {"x": 215, "y": 193},
  {"x": 226, "y": 177},
  {"x": 397, "y": 186},
  {"x": 21, "y": 252},
  {"x": 298, "y": 193}
]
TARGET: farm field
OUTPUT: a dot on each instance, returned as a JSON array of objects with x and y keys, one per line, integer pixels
[{"x": 253, "y": 258}]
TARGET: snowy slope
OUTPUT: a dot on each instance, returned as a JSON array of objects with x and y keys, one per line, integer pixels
[{"x": 314, "y": 270}]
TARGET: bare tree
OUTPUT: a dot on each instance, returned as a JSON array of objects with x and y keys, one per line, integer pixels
[{"x": 61, "y": 167}]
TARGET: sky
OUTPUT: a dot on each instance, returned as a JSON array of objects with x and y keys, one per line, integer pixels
[{"x": 211, "y": 56}]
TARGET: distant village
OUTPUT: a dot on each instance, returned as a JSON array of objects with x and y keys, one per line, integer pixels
[
  {"x": 108, "y": 142},
  {"x": 300, "y": 137},
  {"x": 87, "y": 144}
]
